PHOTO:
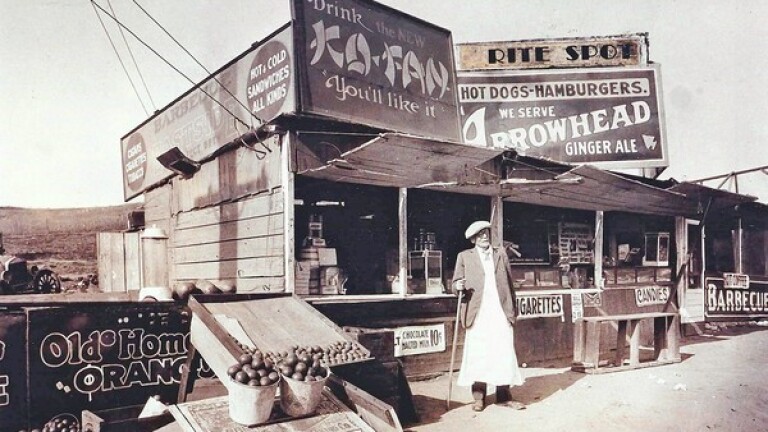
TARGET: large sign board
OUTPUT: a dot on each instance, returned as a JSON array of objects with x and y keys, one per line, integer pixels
[
  {"x": 611, "y": 118},
  {"x": 728, "y": 300},
  {"x": 600, "y": 51},
  {"x": 255, "y": 88},
  {"x": 365, "y": 63},
  {"x": 95, "y": 357}
]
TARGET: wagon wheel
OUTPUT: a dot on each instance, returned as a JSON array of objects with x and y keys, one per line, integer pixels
[{"x": 46, "y": 282}]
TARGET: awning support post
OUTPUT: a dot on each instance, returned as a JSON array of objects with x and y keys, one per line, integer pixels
[{"x": 402, "y": 217}]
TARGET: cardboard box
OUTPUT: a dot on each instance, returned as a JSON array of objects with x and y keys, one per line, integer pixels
[{"x": 327, "y": 257}]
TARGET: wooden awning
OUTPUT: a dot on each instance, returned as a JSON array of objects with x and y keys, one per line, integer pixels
[
  {"x": 587, "y": 188},
  {"x": 703, "y": 194},
  {"x": 400, "y": 160}
]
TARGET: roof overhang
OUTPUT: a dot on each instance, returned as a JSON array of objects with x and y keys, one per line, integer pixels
[
  {"x": 588, "y": 188},
  {"x": 400, "y": 160}
]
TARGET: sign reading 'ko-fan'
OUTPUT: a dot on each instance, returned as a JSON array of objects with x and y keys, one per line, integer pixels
[
  {"x": 608, "y": 117},
  {"x": 365, "y": 63}
]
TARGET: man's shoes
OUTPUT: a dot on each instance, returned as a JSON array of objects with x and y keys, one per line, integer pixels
[
  {"x": 478, "y": 405},
  {"x": 515, "y": 405}
]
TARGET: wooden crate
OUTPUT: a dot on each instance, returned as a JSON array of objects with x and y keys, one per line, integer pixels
[
  {"x": 123, "y": 419},
  {"x": 274, "y": 322}
]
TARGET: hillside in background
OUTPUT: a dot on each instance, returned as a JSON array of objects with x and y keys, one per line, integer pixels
[{"x": 63, "y": 240}]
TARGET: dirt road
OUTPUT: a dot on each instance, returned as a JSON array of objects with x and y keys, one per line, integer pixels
[{"x": 721, "y": 385}]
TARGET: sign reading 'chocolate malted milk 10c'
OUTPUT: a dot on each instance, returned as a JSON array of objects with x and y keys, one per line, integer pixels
[
  {"x": 610, "y": 117},
  {"x": 365, "y": 63},
  {"x": 255, "y": 88}
]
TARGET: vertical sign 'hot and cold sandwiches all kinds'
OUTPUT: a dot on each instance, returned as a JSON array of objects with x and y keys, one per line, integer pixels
[
  {"x": 255, "y": 88},
  {"x": 611, "y": 117},
  {"x": 365, "y": 63}
]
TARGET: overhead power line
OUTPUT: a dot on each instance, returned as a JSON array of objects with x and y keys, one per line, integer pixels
[
  {"x": 234, "y": 116},
  {"x": 120, "y": 59},
  {"x": 136, "y": 65},
  {"x": 179, "y": 44}
]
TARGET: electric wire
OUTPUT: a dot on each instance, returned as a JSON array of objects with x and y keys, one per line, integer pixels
[
  {"x": 136, "y": 65},
  {"x": 114, "y": 48},
  {"x": 234, "y": 116},
  {"x": 179, "y": 44}
]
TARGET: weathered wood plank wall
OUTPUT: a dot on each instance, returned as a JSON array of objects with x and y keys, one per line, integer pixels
[{"x": 228, "y": 221}]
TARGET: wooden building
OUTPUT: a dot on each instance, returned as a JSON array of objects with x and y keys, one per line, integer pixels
[{"x": 339, "y": 175}]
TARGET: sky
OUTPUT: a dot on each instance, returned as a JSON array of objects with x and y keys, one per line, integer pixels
[{"x": 66, "y": 100}]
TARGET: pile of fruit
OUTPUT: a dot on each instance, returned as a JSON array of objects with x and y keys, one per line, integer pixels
[
  {"x": 182, "y": 290},
  {"x": 61, "y": 423},
  {"x": 336, "y": 353},
  {"x": 254, "y": 370}
]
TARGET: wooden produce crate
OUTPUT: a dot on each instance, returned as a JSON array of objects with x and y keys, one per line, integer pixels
[
  {"x": 123, "y": 419},
  {"x": 273, "y": 322}
]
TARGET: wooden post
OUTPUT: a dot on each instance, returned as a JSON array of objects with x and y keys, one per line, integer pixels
[
  {"x": 289, "y": 213},
  {"x": 592, "y": 344},
  {"x": 621, "y": 342},
  {"x": 634, "y": 342},
  {"x": 598, "y": 252},
  {"x": 681, "y": 240},
  {"x": 497, "y": 221},
  {"x": 578, "y": 341},
  {"x": 402, "y": 217},
  {"x": 673, "y": 338}
]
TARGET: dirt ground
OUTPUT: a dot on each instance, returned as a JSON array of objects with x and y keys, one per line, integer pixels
[{"x": 721, "y": 385}]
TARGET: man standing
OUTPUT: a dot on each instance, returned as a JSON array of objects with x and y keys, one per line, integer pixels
[{"x": 488, "y": 314}]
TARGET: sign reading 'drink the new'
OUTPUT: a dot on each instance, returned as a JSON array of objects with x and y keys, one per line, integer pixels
[
  {"x": 621, "y": 50},
  {"x": 256, "y": 87},
  {"x": 611, "y": 117},
  {"x": 365, "y": 63}
]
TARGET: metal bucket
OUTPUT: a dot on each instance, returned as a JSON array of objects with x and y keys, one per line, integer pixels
[
  {"x": 251, "y": 405},
  {"x": 300, "y": 398}
]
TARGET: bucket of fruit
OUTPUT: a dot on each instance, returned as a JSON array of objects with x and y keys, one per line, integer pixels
[
  {"x": 252, "y": 390},
  {"x": 301, "y": 384}
]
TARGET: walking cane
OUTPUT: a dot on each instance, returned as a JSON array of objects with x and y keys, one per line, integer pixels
[{"x": 456, "y": 328}]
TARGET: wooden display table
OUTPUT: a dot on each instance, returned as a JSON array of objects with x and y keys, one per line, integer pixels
[
  {"x": 212, "y": 415},
  {"x": 586, "y": 350}
]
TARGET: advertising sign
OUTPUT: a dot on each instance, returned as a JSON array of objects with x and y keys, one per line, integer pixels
[
  {"x": 419, "y": 339},
  {"x": 601, "y": 51},
  {"x": 725, "y": 300},
  {"x": 365, "y": 63},
  {"x": 540, "y": 305},
  {"x": 255, "y": 88},
  {"x": 612, "y": 118},
  {"x": 650, "y": 296},
  {"x": 13, "y": 383},
  {"x": 95, "y": 357}
]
